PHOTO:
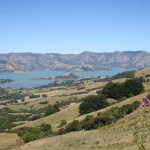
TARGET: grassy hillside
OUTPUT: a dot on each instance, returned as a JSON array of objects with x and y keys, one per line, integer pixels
[
  {"x": 69, "y": 113},
  {"x": 72, "y": 112},
  {"x": 142, "y": 72},
  {"x": 7, "y": 140},
  {"x": 120, "y": 135},
  {"x": 56, "y": 95},
  {"x": 117, "y": 136}
]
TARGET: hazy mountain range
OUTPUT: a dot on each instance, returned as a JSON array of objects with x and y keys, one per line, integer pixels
[{"x": 86, "y": 61}]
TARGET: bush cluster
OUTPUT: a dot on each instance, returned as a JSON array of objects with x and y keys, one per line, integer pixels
[
  {"x": 51, "y": 110},
  {"x": 34, "y": 96},
  {"x": 92, "y": 103},
  {"x": 44, "y": 95},
  {"x": 3, "y": 93},
  {"x": 12, "y": 97},
  {"x": 29, "y": 134},
  {"x": 7, "y": 119},
  {"x": 43, "y": 103},
  {"x": 127, "y": 89},
  {"x": 90, "y": 122},
  {"x": 147, "y": 75},
  {"x": 126, "y": 74},
  {"x": 48, "y": 110}
]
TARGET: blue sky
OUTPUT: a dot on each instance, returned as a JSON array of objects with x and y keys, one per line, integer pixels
[{"x": 74, "y": 26}]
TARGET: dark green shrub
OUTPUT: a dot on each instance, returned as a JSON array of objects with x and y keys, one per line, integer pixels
[
  {"x": 45, "y": 127},
  {"x": 134, "y": 86},
  {"x": 104, "y": 119},
  {"x": 88, "y": 117},
  {"x": 25, "y": 103},
  {"x": 43, "y": 103},
  {"x": 92, "y": 103},
  {"x": 29, "y": 134},
  {"x": 51, "y": 110},
  {"x": 114, "y": 90},
  {"x": 126, "y": 74},
  {"x": 74, "y": 126},
  {"x": 44, "y": 95},
  {"x": 147, "y": 75},
  {"x": 129, "y": 88},
  {"x": 63, "y": 123},
  {"x": 35, "y": 117},
  {"x": 88, "y": 125},
  {"x": 136, "y": 104},
  {"x": 3, "y": 92},
  {"x": 34, "y": 96},
  {"x": 61, "y": 131}
]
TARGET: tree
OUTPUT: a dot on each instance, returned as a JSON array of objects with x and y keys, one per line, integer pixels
[
  {"x": 61, "y": 131},
  {"x": 113, "y": 90},
  {"x": 74, "y": 126},
  {"x": 134, "y": 86},
  {"x": 35, "y": 117},
  {"x": 2, "y": 92},
  {"x": 129, "y": 88},
  {"x": 44, "y": 95},
  {"x": 92, "y": 103},
  {"x": 51, "y": 110},
  {"x": 89, "y": 122},
  {"x": 45, "y": 127},
  {"x": 63, "y": 123}
]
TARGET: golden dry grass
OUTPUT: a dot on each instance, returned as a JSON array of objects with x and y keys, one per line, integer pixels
[
  {"x": 113, "y": 137},
  {"x": 67, "y": 113},
  {"x": 83, "y": 140},
  {"x": 95, "y": 85},
  {"x": 1, "y": 106},
  {"x": 36, "y": 105},
  {"x": 147, "y": 86},
  {"x": 7, "y": 139},
  {"x": 142, "y": 72},
  {"x": 119, "y": 80},
  {"x": 52, "y": 93}
]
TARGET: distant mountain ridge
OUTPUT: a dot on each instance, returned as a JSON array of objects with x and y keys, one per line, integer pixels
[{"x": 85, "y": 61}]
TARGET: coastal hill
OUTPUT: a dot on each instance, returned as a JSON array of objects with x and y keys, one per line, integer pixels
[
  {"x": 86, "y": 61},
  {"x": 66, "y": 76}
]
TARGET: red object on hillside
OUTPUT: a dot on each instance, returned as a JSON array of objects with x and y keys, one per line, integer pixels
[{"x": 145, "y": 102}]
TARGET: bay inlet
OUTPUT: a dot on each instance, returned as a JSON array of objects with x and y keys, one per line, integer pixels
[{"x": 26, "y": 80}]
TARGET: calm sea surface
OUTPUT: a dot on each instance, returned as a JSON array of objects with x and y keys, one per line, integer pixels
[{"x": 25, "y": 79}]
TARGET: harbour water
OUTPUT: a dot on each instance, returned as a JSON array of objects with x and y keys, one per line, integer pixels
[{"x": 26, "y": 79}]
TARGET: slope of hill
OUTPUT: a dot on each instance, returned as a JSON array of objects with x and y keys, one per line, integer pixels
[
  {"x": 72, "y": 112},
  {"x": 121, "y": 135},
  {"x": 142, "y": 72},
  {"x": 86, "y": 61},
  {"x": 5, "y": 143}
]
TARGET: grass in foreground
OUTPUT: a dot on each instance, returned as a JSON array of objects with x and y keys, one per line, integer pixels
[
  {"x": 7, "y": 140},
  {"x": 120, "y": 135}
]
